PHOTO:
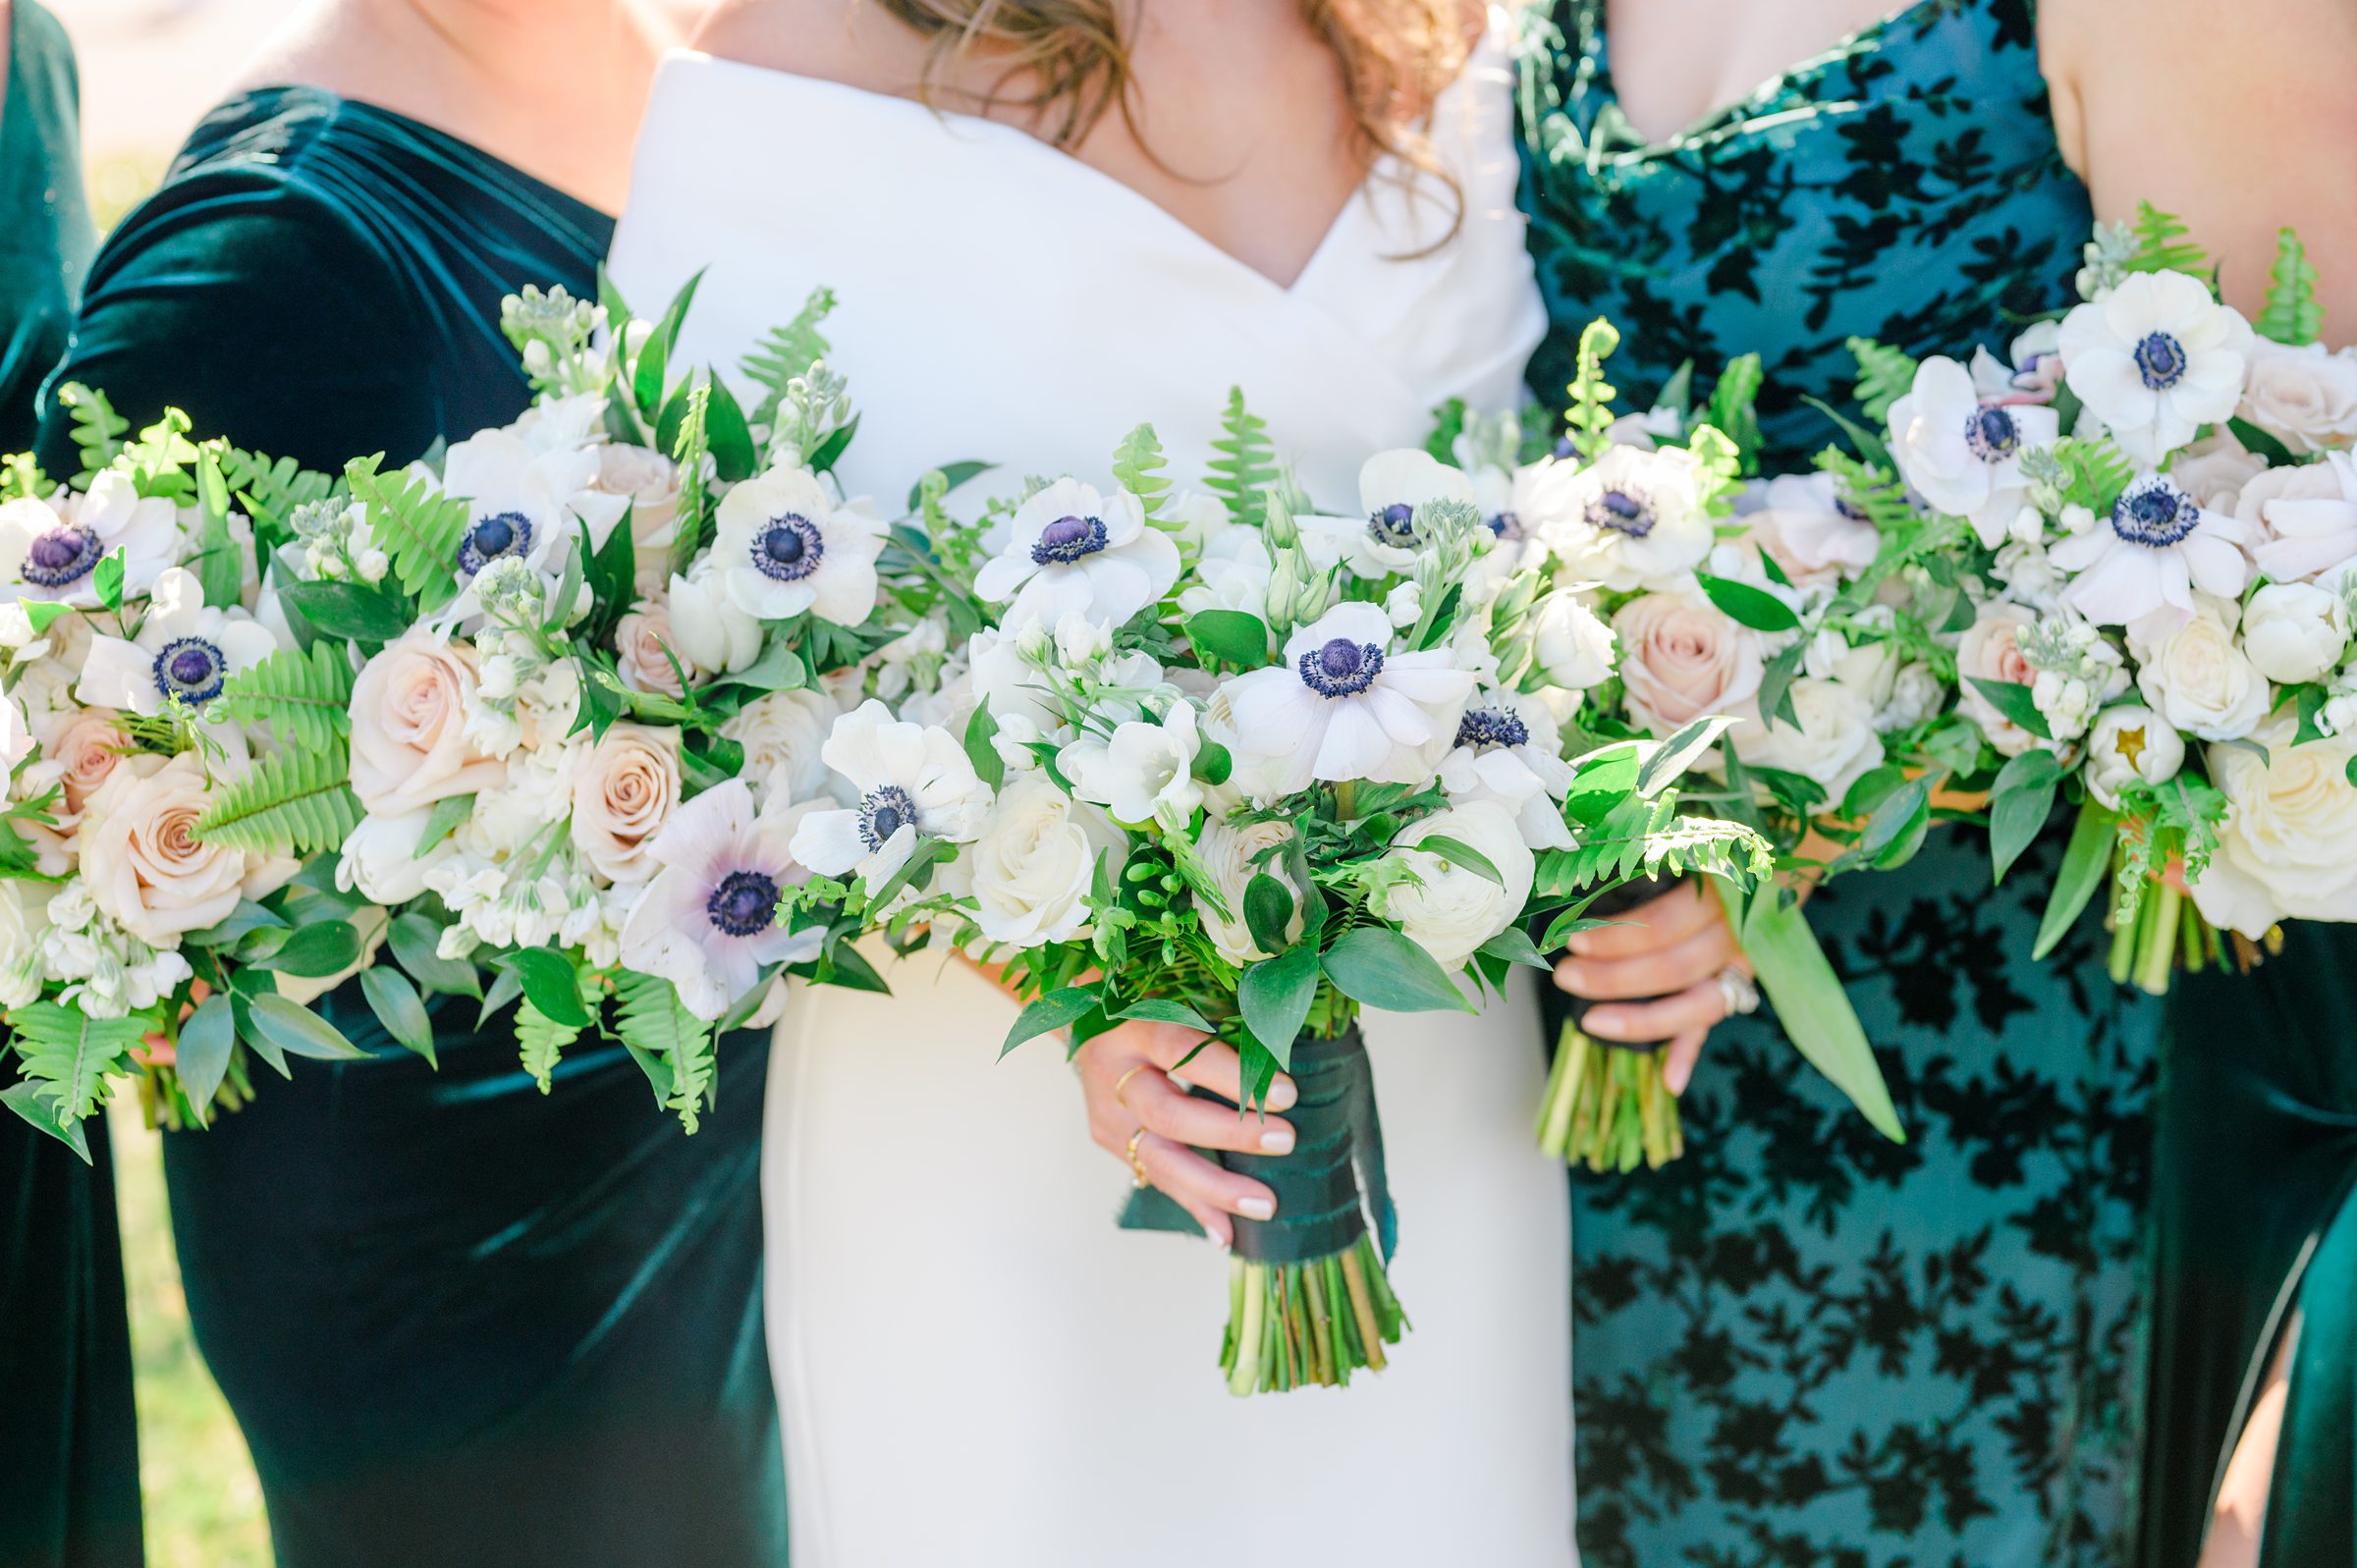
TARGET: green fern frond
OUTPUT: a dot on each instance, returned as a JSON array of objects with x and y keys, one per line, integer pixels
[
  {"x": 271, "y": 489},
  {"x": 787, "y": 353},
  {"x": 296, "y": 802},
  {"x": 97, "y": 430},
  {"x": 304, "y": 697},
  {"x": 1588, "y": 401},
  {"x": 1731, "y": 408},
  {"x": 1137, "y": 463},
  {"x": 1246, "y": 465},
  {"x": 1874, "y": 490},
  {"x": 654, "y": 1020},
  {"x": 412, "y": 521},
  {"x": 1638, "y": 838},
  {"x": 542, "y": 1041},
  {"x": 2164, "y": 243},
  {"x": 1885, "y": 375},
  {"x": 2091, "y": 473},
  {"x": 690, "y": 447},
  {"x": 2292, "y": 314},
  {"x": 68, "y": 1055}
]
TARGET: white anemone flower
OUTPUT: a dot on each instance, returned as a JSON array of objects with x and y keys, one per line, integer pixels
[
  {"x": 185, "y": 650},
  {"x": 50, "y": 549},
  {"x": 1142, "y": 772},
  {"x": 1964, "y": 455},
  {"x": 1631, "y": 520},
  {"x": 783, "y": 549},
  {"x": 1070, "y": 551},
  {"x": 1383, "y": 540},
  {"x": 527, "y": 496},
  {"x": 1341, "y": 707},
  {"x": 2139, "y": 566},
  {"x": 707, "y": 922},
  {"x": 1510, "y": 750},
  {"x": 2156, "y": 359},
  {"x": 906, "y": 780}
]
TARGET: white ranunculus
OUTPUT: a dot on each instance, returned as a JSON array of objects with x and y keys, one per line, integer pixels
[
  {"x": 1682, "y": 657},
  {"x": 1032, "y": 865},
  {"x": 2141, "y": 566},
  {"x": 2289, "y": 847},
  {"x": 381, "y": 862},
  {"x": 2199, "y": 680},
  {"x": 1803, "y": 524},
  {"x": 2301, "y": 521},
  {"x": 1070, "y": 551},
  {"x": 1991, "y": 650},
  {"x": 1571, "y": 643},
  {"x": 2295, "y": 632},
  {"x": 709, "y": 634},
  {"x": 2305, "y": 397},
  {"x": 2130, "y": 744},
  {"x": 906, "y": 779},
  {"x": 144, "y": 864},
  {"x": 1963, "y": 456},
  {"x": 1834, "y": 745},
  {"x": 1143, "y": 772},
  {"x": 623, "y": 793},
  {"x": 2156, "y": 359},
  {"x": 409, "y": 727},
  {"x": 785, "y": 549},
  {"x": 1235, "y": 854},
  {"x": 781, "y": 732},
  {"x": 1631, "y": 519},
  {"x": 1339, "y": 706},
  {"x": 1448, "y": 910}
]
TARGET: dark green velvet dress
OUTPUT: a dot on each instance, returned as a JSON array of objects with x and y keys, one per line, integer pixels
[
  {"x": 463, "y": 1324},
  {"x": 1801, "y": 1346},
  {"x": 69, "y": 1437}
]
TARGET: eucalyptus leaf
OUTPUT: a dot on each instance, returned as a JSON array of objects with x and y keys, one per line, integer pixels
[
  {"x": 247, "y": 916},
  {"x": 300, "y": 1032},
  {"x": 1897, "y": 829},
  {"x": 315, "y": 950},
  {"x": 1379, "y": 967},
  {"x": 200, "y": 1056},
  {"x": 2024, "y": 798},
  {"x": 414, "y": 940}
]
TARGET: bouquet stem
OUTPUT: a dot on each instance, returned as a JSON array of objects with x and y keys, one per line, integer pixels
[
  {"x": 2166, "y": 933},
  {"x": 1607, "y": 1108}
]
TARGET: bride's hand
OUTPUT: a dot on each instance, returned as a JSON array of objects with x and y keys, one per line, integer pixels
[
  {"x": 1673, "y": 950},
  {"x": 1135, "y": 1110}
]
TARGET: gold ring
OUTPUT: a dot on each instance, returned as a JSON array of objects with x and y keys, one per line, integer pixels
[
  {"x": 1123, "y": 1082},
  {"x": 1137, "y": 1166}
]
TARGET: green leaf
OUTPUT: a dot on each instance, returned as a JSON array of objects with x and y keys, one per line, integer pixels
[
  {"x": 952, "y": 474},
  {"x": 1214, "y": 763},
  {"x": 1748, "y": 606},
  {"x": 989, "y": 766},
  {"x": 219, "y": 565},
  {"x": 1897, "y": 829},
  {"x": 1268, "y": 912},
  {"x": 1874, "y": 787},
  {"x": 1156, "y": 1009},
  {"x": 107, "y": 580},
  {"x": 247, "y": 916},
  {"x": 1679, "y": 752},
  {"x": 441, "y": 821},
  {"x": 2292, "y": 314},
  {"x": 299, "y": 1031},
  {"x": 1811, "y": 1005},
  {"x": 1233, "y": 636},
  {"x": 1588, "y": 400},
  {"x": 2164, "y": 243},
  {"x": 1274, "y": 997},
  {"x": 1458, "y": 853},
  {"x": 414, "y": 939},
  {"x": 1053, "y": 1011},
  {"x": 97, "y": 431},
  {"x": 1776, "y": 686},
  {"x": 654, "y": 355},
  {"x": 2024, "y": 798},
  {"x": 1513, "y": 944},
  {"x": 540, "y": 1042},
  {"x": 317, "y": 949},
  {"x": 26, "y": 1100},
  {"x": 655, "y": 1024},
  {"x": 397, "y": 1007},
  {"x": 412, "y": 522},
  {"x": 348, "y": 610},
  {"x": 1379, "y": 967},
  {"x": 730, "y": 437},
  {"x": 2013, "y": 699},
  {"x": 200, "y": 1053},
  {"x": 1604, "y": 777},
  {"x": 550, "y": 985},
  {"x": 2086, "y": 863},
  {"x": 1731, "y": 409}
]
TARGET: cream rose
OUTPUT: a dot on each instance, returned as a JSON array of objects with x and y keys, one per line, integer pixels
[
  {"x": 2295, "y": 632},
  {"x": 408, "y": 728},
  {"x": 1448, "y": 910},
  {"x": 646, "y": 653},
  {"x": 1032, "y": 866},
  {"x": 1835, "y": 743},
  {"x": 2288, "y": 848},
  {"x": 1991, "y": 651},
  {"x": 651, "y": 483},
  {"x": 145, "y": 867},
  {"x": 2305, "y": 395},
  {"x": 2302, "y": 521},
  {"x": 623, "y": 793},
  {"x": 1681, "y": 656},
  {"x": 2131, "y": 745},
  {"x": 2197, "y": 678},
  {"x": 1231, "y": 854},
  {"x": 782, "y": 734},
  {"x": 2214, "y": 471}
]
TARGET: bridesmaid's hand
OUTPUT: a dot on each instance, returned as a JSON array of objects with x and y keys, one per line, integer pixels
[
  {"x": 1126, "y": 1076},
  {"x": 1673, "y": 950}
]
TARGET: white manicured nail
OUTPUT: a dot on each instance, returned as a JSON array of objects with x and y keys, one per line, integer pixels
[
  {"x": 1256, "y": 1208},
  {"x": 1277, "y": 1141}
]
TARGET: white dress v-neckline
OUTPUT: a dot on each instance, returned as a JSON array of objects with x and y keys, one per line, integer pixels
[{"x": 974, "y": 1367}]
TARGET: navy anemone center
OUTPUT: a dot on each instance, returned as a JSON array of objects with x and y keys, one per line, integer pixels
[
  {"x": 1069, "y": 539},
  {"x": 1492, "y": 728},
  {"x": 789, "y": 548},
  {"x": 2160, "y": 360},
  {"x": 1340, "y": 667},
  {"x": 1993, "y": 435},
  {"x": 488, "y": 539},
  {"x": 2155, "y": 514},
  {"x": 1394, "y": 525},
  {"x": 883, "y": 813},
  {"x": 1623, "y": 512},
  {"x": 192, "y": 669},
  {"x": 744, "y": 903},
  {"x": 65, "y": 553}
]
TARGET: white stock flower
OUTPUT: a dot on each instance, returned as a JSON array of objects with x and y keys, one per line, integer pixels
[
  {"x": 1032, "y": 865},
  {"x": 781, "y": 732},
  {"x": 2304, "y": 396},
  {"x": 2156, "y": 359},
  {"x": 906, "y": 779},
  {"x": 1963, "y": 456},
  {"x": 185, "y": 650},
  {"x": 1631, "y": 519},
  {"x": 2199, "y": 680},
  {"x": 2296, "y": 631},
  {"x": 2141, "y": 566},
  {"x": 1070, "y": 551},
  {"x": 783, "y": 549},
  {"x": 2128, "y": 744},
  {"x": 708, "y": 920},
  {"x": 1339, "y": 706},
  {"x": 1449, "y": 910},
  {"x": 1835, "y": 743},
  {"x": 1142, "y": 772},
  {"x": 50, "y": 549},
  {"x": 1509, "y": 751},
  {"x": 2301, "y": 521},
  {"x": 2289, "y": 847}
]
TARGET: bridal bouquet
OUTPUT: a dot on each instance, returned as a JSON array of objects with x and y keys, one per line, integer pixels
[
  {"x": 1228, "y": 762},
  {"x": 1785, "y": 608},
  {"x": 2154, "y": 515}
]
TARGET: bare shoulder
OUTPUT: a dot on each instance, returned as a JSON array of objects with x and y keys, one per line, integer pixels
[{"x": 851, "y": 41}]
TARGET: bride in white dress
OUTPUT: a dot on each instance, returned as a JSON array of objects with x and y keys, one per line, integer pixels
[{"x": 975, "y": 1368}]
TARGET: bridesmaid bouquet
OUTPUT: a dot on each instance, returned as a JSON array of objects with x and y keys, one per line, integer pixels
[
  {"x": 1227, "y": 762},
  {"x": 2152, "y": 515}
]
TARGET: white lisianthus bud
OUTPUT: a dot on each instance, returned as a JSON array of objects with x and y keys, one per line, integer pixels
[
  {"x": 1080, "y": 641},
  {"x": 2295, "y": 632},
  {"x": 1571, "y": 643},
  {"x": 1404, "y": 604},
  {"x": 2130, "y": 744}
]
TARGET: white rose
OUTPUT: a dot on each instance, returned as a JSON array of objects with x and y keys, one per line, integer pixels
[
  {"x": 1449, "y": 911},
  {"x": 2213, "y": 471},
  {"x": 408, "y": 728},
  {"x": 646, "y": 650},
  {"x": 1682, "y": 657},
  {"x": 1991, "y": 651},
  {"x": 781, "y": 734},
  {"x": 1570, "y": 642},
  {"x": 1032, "y": 866},
  {"x": 23, "y": 917},
  {"x": 623, "y": 793},
  {"x": 1835, "y": 743},
  {"x": 380, "y": 859},
  {"x": 711, "y": 635},
  {"x": 2305, "y": 397},
  {"x": 2302, "y": 521},
  {"x": 2198, "y": 680},
  {"x": 2129, "y": 744},
  {"x": 2295, "y": 632},
  {"x": 144, "y": 864},
  {"x": 1230, "y": 852},
  {"x": 2288, "y": 848}
]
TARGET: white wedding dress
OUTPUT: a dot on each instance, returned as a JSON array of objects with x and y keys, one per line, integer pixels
[{"x": 976, "y": 1368}]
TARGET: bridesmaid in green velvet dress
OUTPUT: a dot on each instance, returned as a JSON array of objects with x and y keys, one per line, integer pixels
[
  {"x": 459, "y": 1321},
  {"x": 69, "y": 1437},
  {"x": 1801, "y": 1345}
]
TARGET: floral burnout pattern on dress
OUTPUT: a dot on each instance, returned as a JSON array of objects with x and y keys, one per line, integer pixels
[{"x": 1904, "y": 186}]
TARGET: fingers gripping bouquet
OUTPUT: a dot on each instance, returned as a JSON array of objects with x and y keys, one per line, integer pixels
[
  {"x": 1224, "y": 762},
  {"x": 2156, "y": 522}
]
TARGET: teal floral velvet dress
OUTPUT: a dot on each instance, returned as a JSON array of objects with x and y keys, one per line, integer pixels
[
  {"x": 463, "y": 1324},
  {"x": 1802, "y": 1346}
]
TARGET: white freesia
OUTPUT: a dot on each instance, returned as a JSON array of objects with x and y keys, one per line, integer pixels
[
  {"x": 906, "y": 779},
  {"x": 1835, "y": 743},
  {"x": 2156, "y": 359},
  {"x": 2305, "y": 395},
  {"x": 708, "y": 920},
  {"x": 50, "y": 549},
  {"x": 782, "y": 734},
  {"x": 1339, "y": 706},
  {"x": 185, "y": 651},
  {"x": 2198, "y": 680},
  {"x": 1964, "y": 455},
  {"x": 2295, "y": 632},
  {"x": 1143, "y": 772},
  {"x": 1449, "y": 910},
  {"x": 1070, "y": 551},
  {"x": 2289, "y": 847},
  {"x": 2131, "y": 745},
  {"x": 784, "y": 549},
  {"x": 1032, "y": 865},
  {"x": 2141, "y": 566},
  {"x": 1631, "y": 519}
]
